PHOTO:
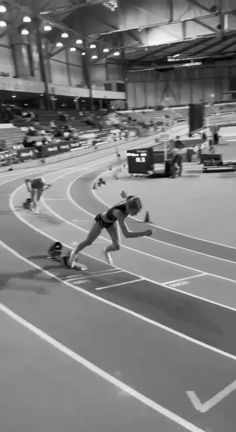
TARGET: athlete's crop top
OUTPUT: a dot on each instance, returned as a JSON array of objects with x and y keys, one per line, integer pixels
[
  {"x": 121, "y": 207},
  {"x": 37, "y": 183}
]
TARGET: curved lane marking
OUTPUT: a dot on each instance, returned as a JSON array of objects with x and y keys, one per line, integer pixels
[
  {"x": 128, "y": 247},
  {"x": 150, "y": 238},
  {"x": 171, "y": 231},
  {"x": 132, "y": 273},
  {"x": 118, "y": 307}
]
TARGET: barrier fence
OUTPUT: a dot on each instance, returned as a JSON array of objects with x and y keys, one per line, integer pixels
[{"x": 19, "y": 154}]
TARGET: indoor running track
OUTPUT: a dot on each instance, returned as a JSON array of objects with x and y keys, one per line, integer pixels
[{"x": 160, "y": 326}]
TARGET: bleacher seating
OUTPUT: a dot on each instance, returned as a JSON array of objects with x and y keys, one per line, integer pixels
[
  {"x": 45, "y": 117},
  {"x": 11, "y": 135}
]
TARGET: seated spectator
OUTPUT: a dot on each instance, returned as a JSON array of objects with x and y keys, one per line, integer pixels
[
  {"x": 204, "y": 136},
  {"x": 58, "y": 133},
  {"x": 62, "y": 116},
  {"x": 45, "y": 141},
  {"x": 74, "y": 135},
  {"x": 66, "y": 135},
  {"x": 32, "y": 131},
  {"x": 52, "y": 125}
]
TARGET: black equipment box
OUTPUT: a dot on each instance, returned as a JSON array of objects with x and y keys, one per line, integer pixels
[
  {"x": 211, "y": 159},
  {"x": 140, "y": 161}
]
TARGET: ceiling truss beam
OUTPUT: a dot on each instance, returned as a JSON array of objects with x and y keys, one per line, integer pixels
[{"x": 203, "y": 24}]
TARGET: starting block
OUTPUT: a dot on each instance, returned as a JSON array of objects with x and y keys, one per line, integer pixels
[
  {"x": 55, "y": 252},
  {"x": 101, "y": 182},
  {"x": 27, "y": 203}
]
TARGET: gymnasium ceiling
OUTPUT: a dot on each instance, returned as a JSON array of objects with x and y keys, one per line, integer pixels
[{"x": 148, "y": 34}]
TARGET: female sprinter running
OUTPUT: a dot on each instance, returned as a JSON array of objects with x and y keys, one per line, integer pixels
[
  {"x": 36, "y": 187},
  {"x": 108, "y": 220}
]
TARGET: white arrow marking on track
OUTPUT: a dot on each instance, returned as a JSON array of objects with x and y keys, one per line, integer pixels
[{"x": 206, "y": 406}]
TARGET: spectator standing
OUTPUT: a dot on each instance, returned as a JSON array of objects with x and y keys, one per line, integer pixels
[
  {"x": 173, "y": 154},
  {"x": 204, "y": 136},
  {"x": 216, "y": 138},
  {"x": 179, "y": 157}
]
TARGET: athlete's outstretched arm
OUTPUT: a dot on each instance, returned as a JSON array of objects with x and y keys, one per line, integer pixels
[
  {"x": 28, "y": 184},
  {"x": 46, "y": 186},
  {"x": 125, "y": 231},
  {"x": 124, "y": 194}
]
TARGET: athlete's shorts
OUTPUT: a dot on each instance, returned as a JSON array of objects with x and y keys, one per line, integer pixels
[
  {"x": 37, "y": 188},
  {"x": 102, "y": 223}
]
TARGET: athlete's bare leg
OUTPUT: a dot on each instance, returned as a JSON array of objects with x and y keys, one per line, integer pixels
[
  {"x": 92, "y": 235},
  {"x": 115, "y": 245}
]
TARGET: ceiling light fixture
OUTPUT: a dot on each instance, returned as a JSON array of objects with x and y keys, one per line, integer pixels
[
  {"x": 192, "y": 63},
  {"x": 24, "y": 32},
  {"x": 59, "y": 44},
  {"x": 64, "y": 35},
  {"x": 111, "y": 5},
  {"x": 94, "y": 57},
  {"x": 106, "y": 50},
  {"x": 116, "y": 53},
  {"x": 3, "y": 9},
  {"x": 92, "y": 46},
  {"x": 26, "y": 19},
  {"x": 79, "y": 42},
  {"x": 72, "y": 49},
  {"x": 47, "y": 28},
  {"x": 83, "y": 53}
]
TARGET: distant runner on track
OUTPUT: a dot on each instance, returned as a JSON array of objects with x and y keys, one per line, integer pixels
[
  {"x": 130, "y": 206},
  {"x": 36, "y": 187}
]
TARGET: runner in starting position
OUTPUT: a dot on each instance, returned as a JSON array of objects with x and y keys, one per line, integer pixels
[
  {"x": 131, "y": 206},
  {"x": 36, "y": 187}
]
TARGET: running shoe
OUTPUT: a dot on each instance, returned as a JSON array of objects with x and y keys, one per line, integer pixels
[
  {"x": 71, "y": 259},
  {"x": 108, "y": 257}
]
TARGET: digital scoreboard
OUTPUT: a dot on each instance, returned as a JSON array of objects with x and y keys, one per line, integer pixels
[{"x": 140, "y": 161}]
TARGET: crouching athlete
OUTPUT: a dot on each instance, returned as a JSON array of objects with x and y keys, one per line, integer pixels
[
  {"x": 108, "y": 220},
  {"x": 36, "y": 187}
]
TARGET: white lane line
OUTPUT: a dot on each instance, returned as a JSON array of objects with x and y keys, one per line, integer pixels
[
  {"x": 81, "y": 220},
  {"x": 53, "y": 168},
  {"x": 118, "y": 284},
  {"x": 26, "y": 222},
  {"x": 128, "y": 247},
  {"x": 18, "y": 176},
  {"x": 120, "y": 308},
  {"x": 90, "y": 276},
  {"x": 171, "y": 244},
  {"x": 169, "y": 230},
  {"x": 185, "y": 278},
  {"x": 104, "y": 272},
  {"x": 138, "y": 251},
  {"x": 100, "y": 372},
  {"x": 194, "y": 251}
]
